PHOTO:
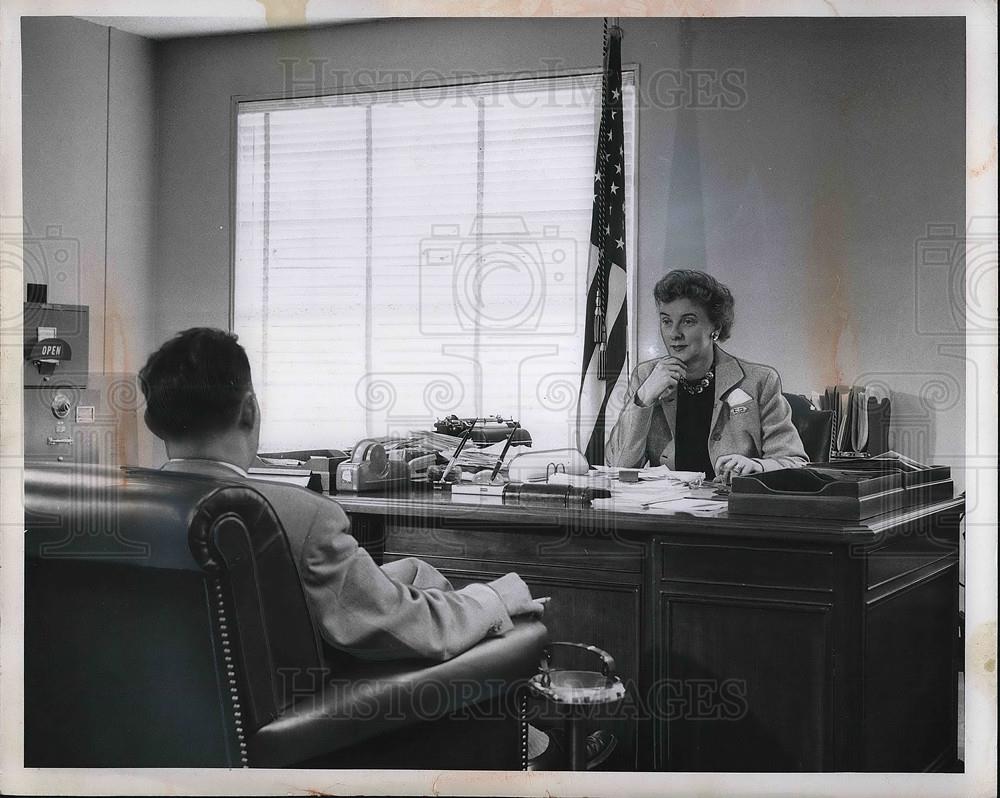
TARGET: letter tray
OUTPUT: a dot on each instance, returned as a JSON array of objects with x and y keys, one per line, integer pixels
[{"x": 842, "y": 491}]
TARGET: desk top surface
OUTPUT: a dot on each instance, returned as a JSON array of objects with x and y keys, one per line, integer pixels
[{"x": 427, "y": 506}]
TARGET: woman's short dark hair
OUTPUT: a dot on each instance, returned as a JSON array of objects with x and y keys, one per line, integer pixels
[
  {"x": 194, "y": 384},
  {"x": 713, "y": 296}
]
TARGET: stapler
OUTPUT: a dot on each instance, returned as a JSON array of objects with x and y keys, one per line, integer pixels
[{"x": 369, "y": 468}]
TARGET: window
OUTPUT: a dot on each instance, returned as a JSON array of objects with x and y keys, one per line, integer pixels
[{"x": 404, "y": 255}]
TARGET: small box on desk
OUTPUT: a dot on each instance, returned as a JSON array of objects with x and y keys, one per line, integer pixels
[
  {"x": 322, "y": 463},
  {"x": 849, "y": 491},
  {"x": 302, "y": 477}
]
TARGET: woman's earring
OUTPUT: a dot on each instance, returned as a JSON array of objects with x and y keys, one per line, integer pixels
[{"x": 715, "y": 335}]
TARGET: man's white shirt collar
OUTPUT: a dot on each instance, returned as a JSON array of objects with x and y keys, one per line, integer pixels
[{"x": 230, "y": 466}]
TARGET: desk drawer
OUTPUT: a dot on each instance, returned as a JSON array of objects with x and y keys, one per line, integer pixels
[
  {"x": 517, "y": 546},
  {"x": 746, "y": 566},
  {"x": 903, "y": 553}
]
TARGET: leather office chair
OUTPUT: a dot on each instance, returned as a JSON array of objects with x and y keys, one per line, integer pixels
[
  {"x": 815, "y": 427},
  {"x": 165, "y": 626}
]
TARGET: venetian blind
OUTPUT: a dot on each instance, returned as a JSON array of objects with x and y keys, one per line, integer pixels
[{"x": 404, "y": 255}]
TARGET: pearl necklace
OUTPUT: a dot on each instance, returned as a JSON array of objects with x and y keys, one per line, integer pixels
[{"x": 695, "y": 388}]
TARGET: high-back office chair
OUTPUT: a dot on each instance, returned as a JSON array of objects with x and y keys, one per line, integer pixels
[
  {"x": 815, "y": 427},
  {"x": 165, "y": 626}
]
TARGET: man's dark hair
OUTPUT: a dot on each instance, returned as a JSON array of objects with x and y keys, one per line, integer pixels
[
  {"x": 194, "y": 384},
  {"x": 713, "y": 296}
]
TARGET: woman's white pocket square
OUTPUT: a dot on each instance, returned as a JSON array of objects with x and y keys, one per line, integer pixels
[{"x": 737, "y": 396}]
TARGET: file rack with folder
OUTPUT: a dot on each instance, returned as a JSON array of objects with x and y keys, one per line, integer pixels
[{"x": 860, "y": 421}]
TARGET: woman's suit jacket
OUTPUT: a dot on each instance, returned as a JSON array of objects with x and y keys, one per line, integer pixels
[{"x": 750, "y": 417}]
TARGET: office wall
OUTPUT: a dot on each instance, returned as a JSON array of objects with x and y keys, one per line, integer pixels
[
  {"x": 89, "y": 169},
  {"x": 809, "y": 199},
  {"x": 89, "y": 166},
  {"x": 812, "y": 202},
  {"x": 64, "y": 154},
  {"x": 129, "y": 309}
]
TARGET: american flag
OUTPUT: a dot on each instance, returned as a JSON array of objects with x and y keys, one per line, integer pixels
[{"x": 604, "y": 371}]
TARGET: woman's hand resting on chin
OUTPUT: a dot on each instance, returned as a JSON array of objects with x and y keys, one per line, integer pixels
[{"x": 662, "y": 380}]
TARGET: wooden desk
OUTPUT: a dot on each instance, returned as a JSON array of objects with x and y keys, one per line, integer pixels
[{"x": 747, "y": 643}]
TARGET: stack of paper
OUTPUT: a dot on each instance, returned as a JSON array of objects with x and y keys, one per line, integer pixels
[
  {"x": 471, "y": 455},
  {"x": 641, "y": 495},
  {"x": 692, "y": 478},
  {"x": 668, "y": 505},
  {"x": 595, "y": 479},
  {"x": 651, "y": 473},
  {"x": 902, "y": 461}
]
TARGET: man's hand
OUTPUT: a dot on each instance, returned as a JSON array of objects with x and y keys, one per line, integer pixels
[
  {"x": 736, "y": 465},
  {"x": 516, "y": 596},
  {"x": 662, "y": 380}
]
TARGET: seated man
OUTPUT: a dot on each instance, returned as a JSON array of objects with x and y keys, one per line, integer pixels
[{"x": 200, "y": 400}]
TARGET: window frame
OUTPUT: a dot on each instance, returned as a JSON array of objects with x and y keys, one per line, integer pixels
[{"x": 631, "y": 287}]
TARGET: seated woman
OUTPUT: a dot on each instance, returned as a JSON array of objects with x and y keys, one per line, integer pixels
[{"x": 699, "y": 408}]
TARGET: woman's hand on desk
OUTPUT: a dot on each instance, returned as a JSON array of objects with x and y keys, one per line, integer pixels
[
  {"x": 736, "y": 465},
  {"x": 662, "y": 380}
]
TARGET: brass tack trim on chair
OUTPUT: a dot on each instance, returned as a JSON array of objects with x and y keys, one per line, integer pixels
[
  {"x": 227, "y": 656},
  {"x": 524, "y": 731}
]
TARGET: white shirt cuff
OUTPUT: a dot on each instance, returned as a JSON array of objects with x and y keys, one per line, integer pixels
[{"x": 493, "y": 604}]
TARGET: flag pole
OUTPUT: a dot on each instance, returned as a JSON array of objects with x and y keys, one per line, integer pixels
[
  {"x": 601, "y": 305},
  {"x": 604, "y": 265},
  {"x": 605, "y": 344}
]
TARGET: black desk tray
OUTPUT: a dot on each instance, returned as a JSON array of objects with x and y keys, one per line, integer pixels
[{"x": 849, "y": 491}]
